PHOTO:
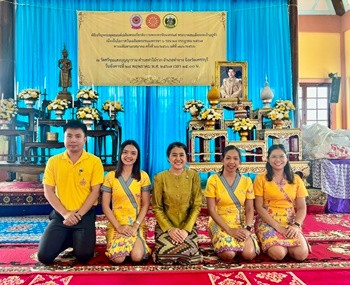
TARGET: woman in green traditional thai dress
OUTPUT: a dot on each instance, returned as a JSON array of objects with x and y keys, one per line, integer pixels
[
  {"x": 230, "y": 200},
  {"x": 280, "y": 203},
  {"x": 176, "y": 203},
  {"x": 129, "y": 190}
]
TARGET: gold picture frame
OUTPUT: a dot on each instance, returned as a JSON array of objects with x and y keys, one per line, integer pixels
[{"x": 241, "y": 74}]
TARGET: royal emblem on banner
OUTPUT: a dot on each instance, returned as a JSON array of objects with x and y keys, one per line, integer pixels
[
  {"x": 170, "y": 21},
  {"x": 153, "y": 21},
  {"x": 136, "y": 21}
]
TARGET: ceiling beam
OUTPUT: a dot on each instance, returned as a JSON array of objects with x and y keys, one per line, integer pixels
[{"x": 338, "y": 7}]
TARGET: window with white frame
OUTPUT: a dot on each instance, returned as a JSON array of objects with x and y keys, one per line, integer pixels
[{"x": 313, "y": 104}]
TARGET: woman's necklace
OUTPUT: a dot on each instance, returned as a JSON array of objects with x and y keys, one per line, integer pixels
[{"x": 280, "y": 182}]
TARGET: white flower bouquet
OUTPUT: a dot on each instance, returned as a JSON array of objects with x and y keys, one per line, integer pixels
[
  {"x": 8, "y": 109},
  {"x": 281, "y": 110},
  {"x": 58, "y": 104},
  {"x": 88, "y": 113},
  {"x": 193, "y": 106},
  {"x": 87, "y": 94},
  {"x": 112, "y": 106},
  {"x": 29, "y": 94},
  {"x": 242, "y": 124},
  {"x": 210, "y": 115}
]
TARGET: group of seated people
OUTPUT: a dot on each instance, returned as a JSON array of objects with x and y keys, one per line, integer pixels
[{"x": 72, "y": 182}]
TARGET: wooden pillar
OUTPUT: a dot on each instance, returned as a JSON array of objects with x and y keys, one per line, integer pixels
[
  {"x": 7, "y": 48},
  {"x": 293, "y": 28}
]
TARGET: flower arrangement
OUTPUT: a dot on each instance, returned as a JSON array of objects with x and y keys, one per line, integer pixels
[
  {"x": 88, "y": 113},
  {"x": 29, "y": 94},
  {"x": 58, "y": 104},
  {"x": 87, "y": 94},
  {"x": 242, "y": 124},
  {"x": 8, "y": 109},
  {"x": 112, "y": 106},
  {"x": 210, "y": 115},
  {"x": 193, "y": 106},
  {"x": 281, "y": 110}
]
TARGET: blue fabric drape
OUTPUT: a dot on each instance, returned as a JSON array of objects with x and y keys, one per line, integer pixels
[{"x": 257, "y": 32}]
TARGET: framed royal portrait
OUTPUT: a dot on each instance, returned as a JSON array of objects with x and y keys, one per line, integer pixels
[{"x": 231, "y": 79}]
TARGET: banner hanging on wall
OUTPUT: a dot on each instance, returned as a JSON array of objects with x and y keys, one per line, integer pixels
[{"x": 150, "y": 48}]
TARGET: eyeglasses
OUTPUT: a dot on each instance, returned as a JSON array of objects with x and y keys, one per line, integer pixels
[{"x": 282, "y": 156}]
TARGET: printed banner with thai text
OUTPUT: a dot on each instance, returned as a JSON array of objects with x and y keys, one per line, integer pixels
[{"x": 150, "y": 48}]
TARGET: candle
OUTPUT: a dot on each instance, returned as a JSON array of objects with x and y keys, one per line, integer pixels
[
  {"x": 39, "y": 102},
  {"x": 37, "y": 130},
  {"x": 93, "y": 89},
  {"x": 45, "y": 83},
  {"x": 17, "y": 89},
  {"x": 78, "y": 83}
]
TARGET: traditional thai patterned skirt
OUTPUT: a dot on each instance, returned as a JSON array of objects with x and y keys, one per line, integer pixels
[
  {"x": 222, "y": 241},
  {"x": 120, "y": 245},
  {"x": 168, "y": 253},
  {"x": 269, "y": 237}
]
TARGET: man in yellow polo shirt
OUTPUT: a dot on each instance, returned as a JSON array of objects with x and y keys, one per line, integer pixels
[{"x": 72, "y": 183}]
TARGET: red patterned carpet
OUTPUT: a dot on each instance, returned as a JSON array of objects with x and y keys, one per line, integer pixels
[
  {"x": 329, "y": 262},
  {"x": 330, "y": 258}
]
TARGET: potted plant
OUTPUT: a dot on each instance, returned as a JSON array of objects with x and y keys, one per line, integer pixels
[
  {"x": 193, "y": 107},
  {"x": 242, "y": 126},
  {"x": 112, "y": 107},
  {"x": 59, "y": 106}
]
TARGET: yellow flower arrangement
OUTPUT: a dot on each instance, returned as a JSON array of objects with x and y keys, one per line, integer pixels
[
  {"x": 8, "y": 109},
  {"x": 193, "y": 106},
  {"x": 87, "y": 94},
  {"x": 281, "y": 110},
  {"x": 29, "y": 94},
  {"x": 58, "y": 104},
  {"x": 242, "y": 124},
  {"x": 87, "y": 113},
  {"x": 112, "y": 106},
  {"x": 210, "y": 115}
]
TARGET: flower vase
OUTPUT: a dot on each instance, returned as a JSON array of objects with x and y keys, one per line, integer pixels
[
  {"x": 278, "y": 124},
  {"x": 244, "y": 135},
  {"x": 30, "y": 103},
  {"x": 194, "y": 114},
  {"x": 112, "y": 115},
  {"x": 59, "y": 113},
  {"x": 210, "y": 125},
  {"x": 88, "y": 124},
  {"x": 86, "y": 102}
]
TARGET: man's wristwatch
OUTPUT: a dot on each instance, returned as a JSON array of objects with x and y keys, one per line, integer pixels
[
  {"x": 248, "y": 228},
  {"x": 297, "y": 224}
]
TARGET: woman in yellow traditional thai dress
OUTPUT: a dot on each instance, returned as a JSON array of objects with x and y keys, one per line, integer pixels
[
  {"x": 129, "y": 190},
  {"x": 176, "y": 203},
  {"x": 230, "y": 200},
  {"x": 278, "y": 192}
]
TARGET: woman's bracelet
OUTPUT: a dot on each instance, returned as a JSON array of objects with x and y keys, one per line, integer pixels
[{"x": 137, "y": 222}]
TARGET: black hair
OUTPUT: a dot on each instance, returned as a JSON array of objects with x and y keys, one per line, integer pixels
[
  {"x": 75, "y": 124},
  {"x": 136, "y": 172},
  {"x": 226, "y": 150},
  {"x": 176, "y": 144},
  {"x": 287, "y": 169},
  {"x": 230, "y": 67}
]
